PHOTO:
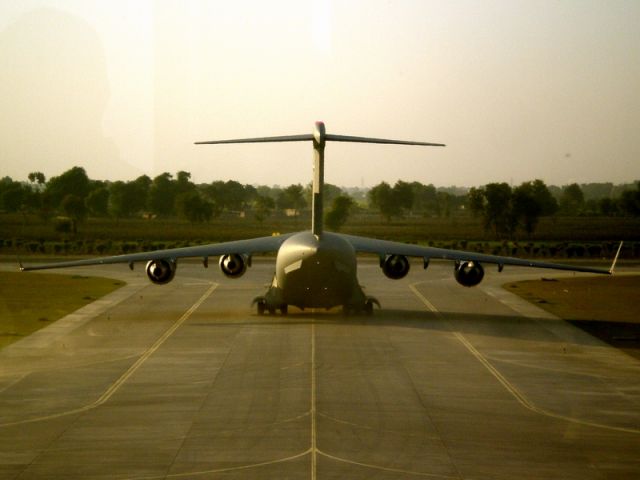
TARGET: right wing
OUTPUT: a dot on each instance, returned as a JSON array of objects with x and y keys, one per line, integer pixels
[
  {"x": 384, "y": 247},
  {"x": 250, "y": 246}
]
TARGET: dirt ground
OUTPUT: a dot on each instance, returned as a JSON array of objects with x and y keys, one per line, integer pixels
[{"x": 607, "y": 307}]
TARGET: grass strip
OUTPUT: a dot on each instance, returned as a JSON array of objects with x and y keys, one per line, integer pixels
[
  {"x": 29, "y": 301},
  {"x": 606, "y": 307}
]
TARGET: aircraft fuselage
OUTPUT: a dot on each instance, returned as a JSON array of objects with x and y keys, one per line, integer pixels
[{"x": 316, "y": 272}]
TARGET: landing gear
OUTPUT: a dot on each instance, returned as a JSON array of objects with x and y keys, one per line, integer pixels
[
  {"x": 368, "y": 305},
  {"x": 262, "y": 306},
  {"x": 368, "y": 309},
  {"x": 365, "y": 309}
]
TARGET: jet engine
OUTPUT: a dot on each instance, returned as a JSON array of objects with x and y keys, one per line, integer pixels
[
  {"x": 161, "y": 271},
  {"x": 395, "y": 267},
  {"x": 233, "y": 265},
  {"x": 468, "y": 274}
]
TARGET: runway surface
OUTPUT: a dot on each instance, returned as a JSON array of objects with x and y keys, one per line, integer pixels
[{"x": 186, "y": 381}]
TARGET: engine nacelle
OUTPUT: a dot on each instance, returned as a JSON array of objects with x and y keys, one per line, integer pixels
[
  {"x": 233, "y": 265},
  {"x": 161, "y": 271},
  {"x": 395, "y": 267},
  {"x": 468, "y": 274}
]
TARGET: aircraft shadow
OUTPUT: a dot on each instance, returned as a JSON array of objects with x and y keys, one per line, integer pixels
[{"x": 623, "y": 336}]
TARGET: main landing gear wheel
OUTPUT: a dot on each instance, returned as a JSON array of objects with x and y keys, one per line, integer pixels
[
  {"x": 366, "y": 308},
  {"x": 262, "y": 306},
  {"x": 368, "y": 305}
]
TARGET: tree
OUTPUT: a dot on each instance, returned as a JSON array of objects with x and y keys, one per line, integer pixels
[
  {"x": 129, "y": 198},
  {"x": 526, "y": 208},
  {"x": 571, "y": 200},
  {"x": 476, "y": 201},
  {"x": 543, "y": 197},
  {"x": 140, "y": 193},
  {"x": 97, "y": 202},
  {"x": 124, "y": 200},
  {"x": 445, "y": 201},
  {"x": 74, "y": 207},
  {"x": 162, "y": 195},
  {"x": 337, "y": 216},
  {"x": 503, "y": 209},
  {"x": 329, "y": 193},
  {"x": 291, "y": 198},
  {"x": 35, "y": 199},
  {"x": 14, "y": 196},
  {"x": 630, "y": 201},
  {"x": 5, "y": 183},
  {"x": 608, "y": 207},
  {"x": 403, "y": 195},
  {"x": 495, "y": 203},
  {"x": 262, "y": 207},
  {"x": 193, "y": 207},
  {"x": 425, "y": 198},
  {"x": 250, "y": 194},
  {"x": 234, "y": 195},
  {"x": 229, "y": 195},
  {"x": 72, "y": 182},
  {"x": 499, "y": 209},
  {"x": 183, "y": 182},
  {"x": 37, "y": 177},
  {"x": 381, "y": 197},
  {"x": 391, "y": 201}
]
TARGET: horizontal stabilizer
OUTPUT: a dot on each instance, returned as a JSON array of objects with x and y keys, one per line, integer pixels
[
  {"x": 321, "y": 137},
  {"x": 346, "y": 138},
  {"x": 284, "y": 138}
]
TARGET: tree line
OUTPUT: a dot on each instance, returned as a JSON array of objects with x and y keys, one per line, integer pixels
[
  {"x": 504, "y": 209},
  {"x": 76, "y": 196}
]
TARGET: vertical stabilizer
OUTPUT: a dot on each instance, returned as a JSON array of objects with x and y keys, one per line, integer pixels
[{"x": 319, "y": 139}]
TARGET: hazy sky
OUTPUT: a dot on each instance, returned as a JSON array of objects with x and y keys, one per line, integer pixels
[{"x": 517, "y": 90}]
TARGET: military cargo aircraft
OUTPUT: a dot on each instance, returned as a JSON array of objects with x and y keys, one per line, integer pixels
[{"x": 316, "y": 269}]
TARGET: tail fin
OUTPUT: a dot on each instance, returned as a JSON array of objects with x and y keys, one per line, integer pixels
[{"x": 319, "y": 138}]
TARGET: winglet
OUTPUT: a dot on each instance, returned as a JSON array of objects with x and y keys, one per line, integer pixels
[{"x": 613, "y": 265}]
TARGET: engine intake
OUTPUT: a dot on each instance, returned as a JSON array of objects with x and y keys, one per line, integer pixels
[
  {"x": 395, "y": 267},
  {"x": 468, "y": 274},
  {"x": 233, "y": 265},
  {"x": 161, "y": 271}
]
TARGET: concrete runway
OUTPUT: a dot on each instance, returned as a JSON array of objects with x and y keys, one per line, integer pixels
[{"x": 186, "y": 381}]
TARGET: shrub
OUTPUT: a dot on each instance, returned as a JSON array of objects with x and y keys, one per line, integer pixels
[{"x": 63, "y": 225}]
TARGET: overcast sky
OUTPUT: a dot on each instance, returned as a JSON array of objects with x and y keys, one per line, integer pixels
[{"x": 518, "y": 90}]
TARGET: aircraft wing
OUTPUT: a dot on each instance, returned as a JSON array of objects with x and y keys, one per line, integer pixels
[
  {"x": 384, "y": 247},
  {"x": 254, "y": 245}
]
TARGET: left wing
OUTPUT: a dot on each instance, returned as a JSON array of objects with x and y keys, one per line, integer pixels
[
  {"x": 384, "y": 247},
  {"x": 254, "y": 245}
]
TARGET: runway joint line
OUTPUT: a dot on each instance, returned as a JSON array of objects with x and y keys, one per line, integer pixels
[
  {"x": 519, "y": 396},
  {"x": 115, "y": 386}
]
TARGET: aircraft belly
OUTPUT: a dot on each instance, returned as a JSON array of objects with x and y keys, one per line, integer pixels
[{"x": 318, "y": 287}]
